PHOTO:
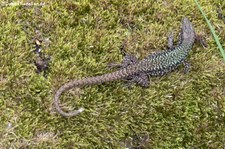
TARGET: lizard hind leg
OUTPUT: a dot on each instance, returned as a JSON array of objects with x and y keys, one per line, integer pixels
[
  {"x": 140, "y": 79},
  {"x": 128, "y": 59},
  {"x": 186, "y": 66}
]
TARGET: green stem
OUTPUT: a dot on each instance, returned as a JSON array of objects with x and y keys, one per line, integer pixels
[{"x": 212, "y": 31}]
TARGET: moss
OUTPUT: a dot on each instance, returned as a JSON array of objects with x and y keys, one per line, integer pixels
[{"x": 177, "y": 111}]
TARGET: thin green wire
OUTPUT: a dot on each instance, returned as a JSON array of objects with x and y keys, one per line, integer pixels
[{"x": 212, "y": 31}]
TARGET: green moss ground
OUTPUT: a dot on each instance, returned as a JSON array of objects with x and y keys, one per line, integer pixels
[{"x": 177, "y": 111}]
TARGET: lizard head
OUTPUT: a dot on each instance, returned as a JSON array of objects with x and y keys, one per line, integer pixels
[{"x": 187, "y": 29}]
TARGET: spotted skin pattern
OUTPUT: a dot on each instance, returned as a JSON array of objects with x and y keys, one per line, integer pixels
[{"x": 157, "y": 64}]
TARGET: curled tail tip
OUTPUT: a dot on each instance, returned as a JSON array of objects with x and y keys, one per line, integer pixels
[
  {"x": 70, "y": 114},
  {"x": 63, "y": 113},
  {"x": 80, "y": 110}
]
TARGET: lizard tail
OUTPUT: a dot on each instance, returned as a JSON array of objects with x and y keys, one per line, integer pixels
[{"x": 122, "y": 73}]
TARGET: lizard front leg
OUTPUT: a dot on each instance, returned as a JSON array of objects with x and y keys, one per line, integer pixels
[{"x": 186, "y": 66}]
